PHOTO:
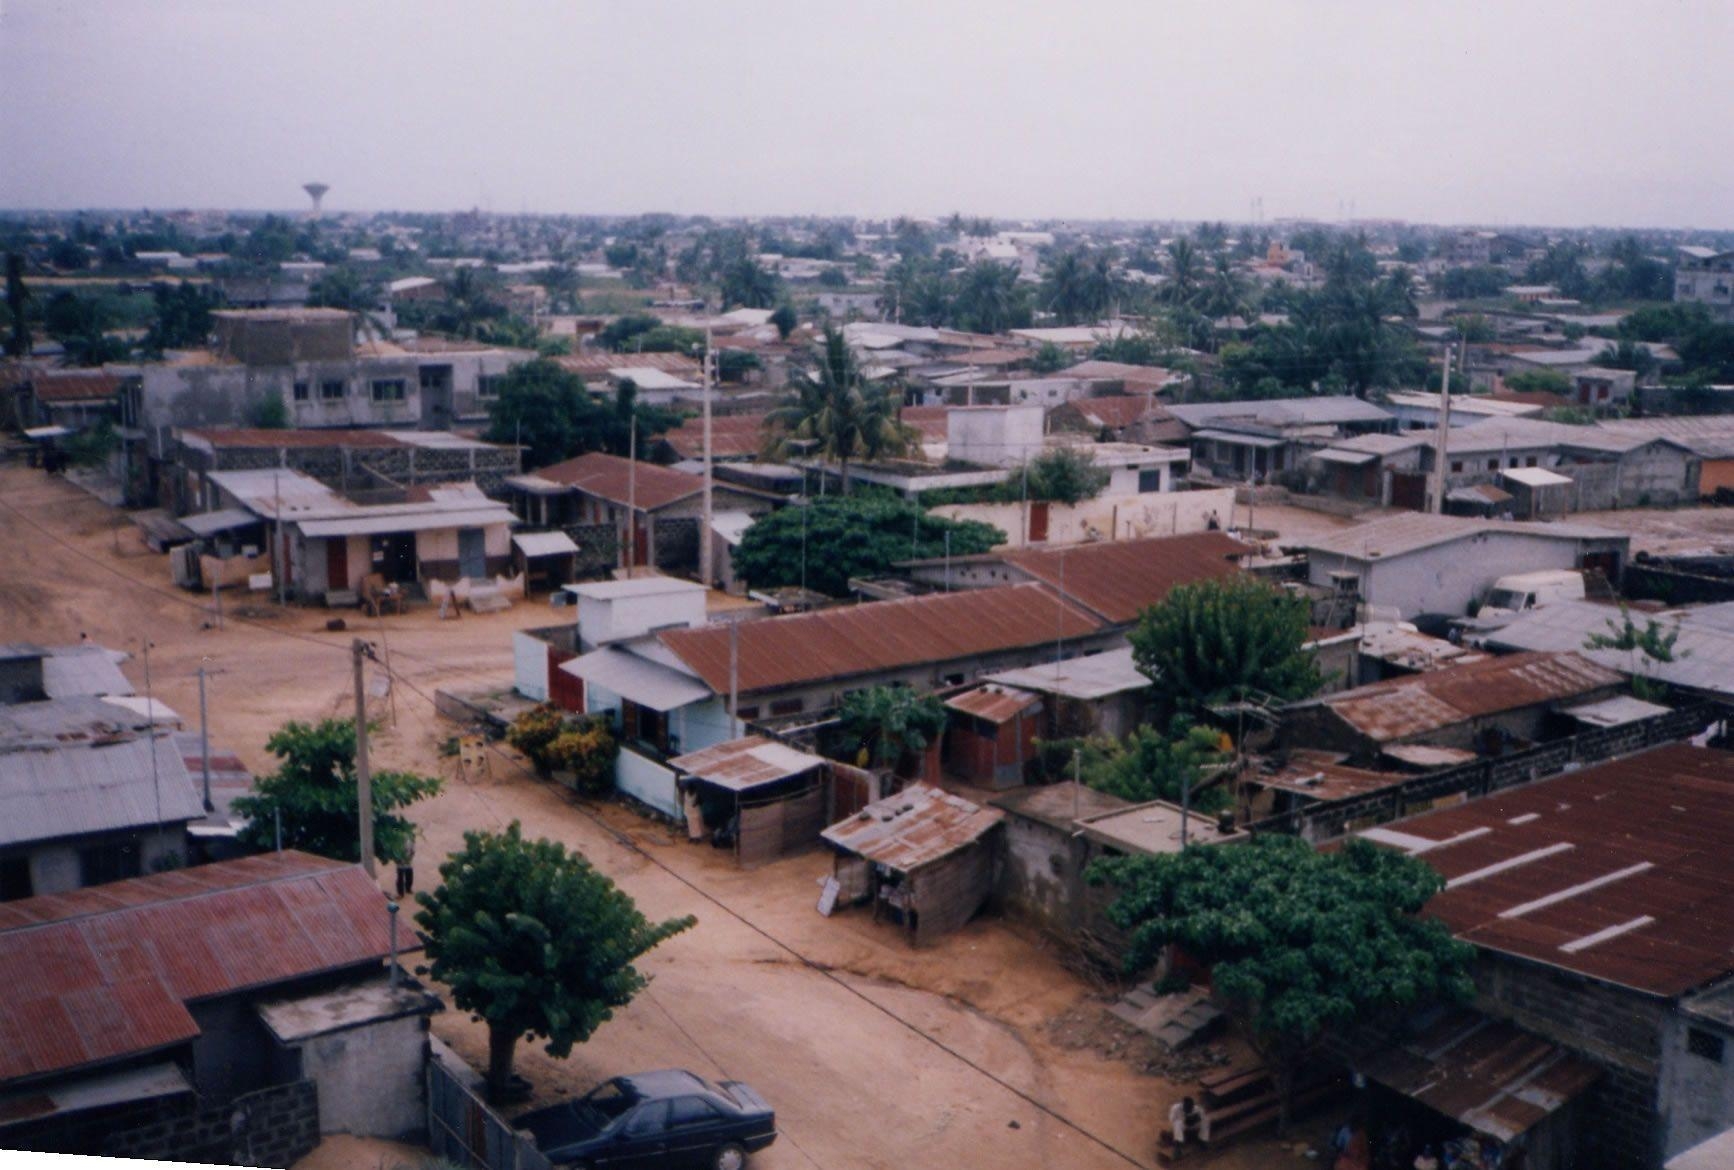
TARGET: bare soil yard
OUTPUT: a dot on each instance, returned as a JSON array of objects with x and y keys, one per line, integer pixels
[{"x": 978, "y": 1051}]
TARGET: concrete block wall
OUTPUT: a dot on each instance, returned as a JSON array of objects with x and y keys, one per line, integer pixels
[{"x": 272, "y": 1127}]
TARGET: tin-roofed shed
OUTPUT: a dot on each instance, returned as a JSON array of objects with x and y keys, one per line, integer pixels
[
  {"x": 761, "y": 797},
  {"x": 990, "y": 734},
  {"x": 923, "y": 857}
]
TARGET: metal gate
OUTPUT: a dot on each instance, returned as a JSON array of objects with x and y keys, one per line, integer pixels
[{"x": 462, "y": 1128}]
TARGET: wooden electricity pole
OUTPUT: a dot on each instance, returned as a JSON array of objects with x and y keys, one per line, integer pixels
[{"x": 363, "y": 776}]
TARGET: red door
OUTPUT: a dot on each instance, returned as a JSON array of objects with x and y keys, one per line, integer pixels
[
  {"x": 1039, "y": 520},
  {"x": 565, "y": 690},
  {"x": 337, "y": 562}
]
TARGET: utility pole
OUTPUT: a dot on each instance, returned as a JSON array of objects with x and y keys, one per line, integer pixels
[
  {"x": 1442, "y": 441},
  {"x": 363, "y": 775},
  {"x": 204, "y": 741},
  {"x": 734, "y": 679},
  {"x": 632, "y": 494},
  {"x": 704, "y": 535}
]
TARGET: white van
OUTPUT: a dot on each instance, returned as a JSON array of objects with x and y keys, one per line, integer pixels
[{"x": 1521, "y": 592}]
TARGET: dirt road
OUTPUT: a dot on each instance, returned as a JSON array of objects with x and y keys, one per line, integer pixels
[{"x": 875, "y": 1054}]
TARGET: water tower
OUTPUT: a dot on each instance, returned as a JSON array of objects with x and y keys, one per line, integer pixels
[{"x": 317, "y": 192}]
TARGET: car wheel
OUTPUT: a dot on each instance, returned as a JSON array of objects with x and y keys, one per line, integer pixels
[{"x": 729, "y": 1157}]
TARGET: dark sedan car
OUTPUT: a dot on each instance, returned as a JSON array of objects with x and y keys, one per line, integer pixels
[{"x": 653, "y": 1119}]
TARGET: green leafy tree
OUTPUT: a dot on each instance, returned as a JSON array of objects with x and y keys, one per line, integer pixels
[
  {"x": 18, "y": 301},
  {"x": 1628, "y": 355},
  {"x": 81, "y": 325},
  {"x": 1300, "y": 944},
  {"x": 547, "y": 410},
  {"x": 183, "y": 317},
  {"x": 1646, "y": 646},
  {"x": 314, "y": 793},
  {"x": 1223, "y": 640},
  {"x": 1065, "y": 475},
  {"x": 535, "y": 942},
  {"x": 989, "y": 299},
  {"x": 747, "y": 284},
  {"x": 888, "y": 723},
  {"x": 831, "y": 413},
  {"x": 824, "y": 543},
  {"x": 785, "y": 320},
  {"x": 1152, "y": 765},
  {"x": 1537, "y": 382},
  {"x": 270, "y": 413},
  {"x": 1051, "y": 358},
  {"x": 344, "y": 288}
]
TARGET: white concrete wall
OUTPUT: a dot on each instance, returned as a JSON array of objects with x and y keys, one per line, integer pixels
[
  {"x": 603, "y": 620},
  {"x": 998, "y": 436},
  {"x": 370, "y": 1078},
  {"x": 1124, "y": 517},
  {"x": 1698, "y": 1092},
  {"x": 1447, "y": 577},
  {"x": 647, "y": 781},
  {"x": 530, "y": 666},
  {"x": 437, "y": 544}
]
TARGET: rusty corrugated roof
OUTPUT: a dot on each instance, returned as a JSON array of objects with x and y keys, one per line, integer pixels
[
  {"x": 1618, "y": 872},
  {"x": 597, "y": 364},
  {"x": 1489, "y": 1074},
  {"x": 993, "y": 702},
  {"x": 1119, "y": 579},
  {"x": 106, "y": 972},
  {"x": 913, "y": 828},
  {"x": 881, "y": 635},
  {"x": 745, "y": 763},
  {"x": 622, "y": 481},
  {"x": 1399, "y": 708},
  {"x": 75, "y": 387},
  {"x": 271, "y": 439},
  {"x": 731, "y": 436}
]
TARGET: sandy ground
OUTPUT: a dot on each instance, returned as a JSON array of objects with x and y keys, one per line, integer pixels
[
  {"x": 1669, "y": 530},
  {"x": 875, "y": 1054}
]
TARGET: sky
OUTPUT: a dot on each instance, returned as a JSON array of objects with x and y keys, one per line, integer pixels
[{"x": 1592, "y": 112}]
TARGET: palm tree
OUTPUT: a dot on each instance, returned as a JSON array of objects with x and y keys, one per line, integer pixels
[
  {"x": 1065, "y": 291},
  {"x": 1187, "y": 271},
  {"x": 746, "y": 284},
  {"x": 469, "y": 302},
  {"x": 988, "y": 299},
  {"x": 1225, "y": 294},
  {"x": 341, "y": 288},
  {"x": 831, "y": 414}
]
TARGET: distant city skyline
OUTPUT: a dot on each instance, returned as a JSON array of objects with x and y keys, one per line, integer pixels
[{"x": 1547, "y": 114}]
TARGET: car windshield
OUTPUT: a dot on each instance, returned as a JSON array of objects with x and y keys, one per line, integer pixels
[
  {"x": 1507, "y": 599},
  {"x": 607, "y": 1103}
]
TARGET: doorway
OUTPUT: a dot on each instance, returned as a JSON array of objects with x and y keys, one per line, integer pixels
[
  {"x": 394, "y": 556},
  {"x": 472, "y": 553}
]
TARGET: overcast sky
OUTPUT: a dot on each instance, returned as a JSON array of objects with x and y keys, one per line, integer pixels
[{"x": 1586, "y": 112}]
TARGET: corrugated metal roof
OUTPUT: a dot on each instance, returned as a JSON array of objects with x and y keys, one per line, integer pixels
[
  {"x": 1401, "y": 708},
  {"x": 105, "y": 972},
  {"x": 223, "y": 520},
  {"x": 1618, "y": 871},
  {"x": 73, "y": 791},
  {"x": 1090, "y": 676},
  {"x": 1322, "y": 776},
  {"x": 1241, "y": 438},
  {"x": 623, "y": 481},
  {"x": 1119, "y": 579},
  {"x": 732, "y": 436},
  {"x": 65, "y": 721},
  {"x": 68, "y": 671},
  {"x": 1393, "y": 536},
  {"x": 993, "y": 702},
  {"x": 1284, "y": 412},
  {"x": 746, "y": 763},
  {"x": 1703, "y": 655},
  {"x": 1060, "y": 806},
  {"x": 370, "y": 521},
  {"x": 882, "y": 635},
  {"x": 913, "y": 828},
  {"x": 1616, "y": 712},
  {"x": 1489, "y": 1074},
  {"x": 616, "y": 669},
  {"x": 544, "y": 544}
]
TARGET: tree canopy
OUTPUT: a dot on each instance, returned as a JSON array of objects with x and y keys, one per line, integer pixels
[
  {"x": 535, "y": 942},
  {"x": 314, "y": 793},
  {"x": 1223, "y": 640},
  {"x": 1064, "y": 475},
  {"x": 886, "y": 723},
  {"x": 839, "y": 537},
  {"x": 833, "y": 414},
  {"x": 549, "y": 411},
  {"x": 1299, "y": 943}
]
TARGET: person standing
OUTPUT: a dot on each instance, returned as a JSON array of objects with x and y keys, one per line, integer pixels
[
  {"x": 406, "y": 867},
  {"x": 1191, "y": 1125}
]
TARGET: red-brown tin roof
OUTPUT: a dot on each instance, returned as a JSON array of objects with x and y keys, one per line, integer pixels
[
  {"x": 880, "y": 635},
  {"x": 611, "y": 478},
  {"x": 107, "y": 971},
  {"x": 1618, "y": 872},
  {"x": 1119, "y": 579}
]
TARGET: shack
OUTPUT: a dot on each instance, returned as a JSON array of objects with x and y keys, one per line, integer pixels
[
  {"x": 762, "y": 798},
  {"x": 1042, "y": 878},
  {"x": 990, "y": 734},
  {"x": 922, "y": 857},
  {"x": 548, "y": 560}
]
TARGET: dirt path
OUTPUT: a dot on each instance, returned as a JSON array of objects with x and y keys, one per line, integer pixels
[{"x": 875, "y": 1054}]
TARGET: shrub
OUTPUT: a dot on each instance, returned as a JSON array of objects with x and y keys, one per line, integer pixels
[{"x": 534, "y": 731}]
